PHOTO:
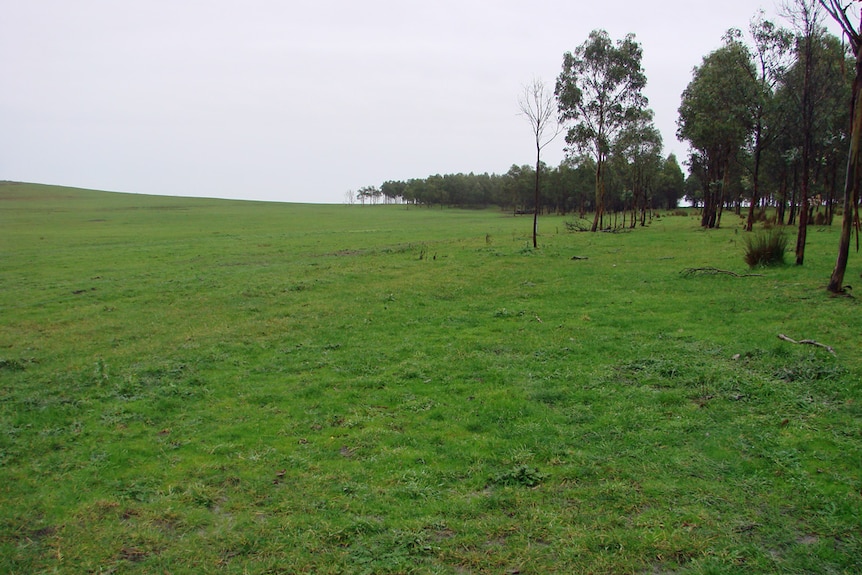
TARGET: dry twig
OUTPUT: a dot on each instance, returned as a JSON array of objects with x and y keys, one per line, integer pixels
[
  {"x": 809, "y": 342},
  {"x": 688, "y": 272}
]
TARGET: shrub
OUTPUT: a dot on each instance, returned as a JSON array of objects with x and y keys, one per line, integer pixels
[
  {"x": 521, "y": 475},
  {"x": 765, "y": 248},
  {"x": 579, "y": 225}
]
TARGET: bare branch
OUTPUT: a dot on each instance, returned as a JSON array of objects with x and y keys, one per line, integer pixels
[
  {"x": 838, "y": 11},
  {"x": 538, "y": 105},
  {"x": 809, "y": 342},
  {"x": 689, "y": 272}
]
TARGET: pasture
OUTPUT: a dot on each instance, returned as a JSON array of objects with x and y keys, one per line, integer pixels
[{"x": 212, "y": 386}]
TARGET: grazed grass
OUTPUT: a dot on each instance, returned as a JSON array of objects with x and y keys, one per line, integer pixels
[{"x": 209, "y": 386}]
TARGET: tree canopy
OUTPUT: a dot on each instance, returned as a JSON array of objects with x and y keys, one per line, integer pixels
[{"x": 599, "y": 91}]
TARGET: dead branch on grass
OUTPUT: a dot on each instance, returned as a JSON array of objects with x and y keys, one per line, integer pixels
[
  {"x": 708, "y": 271},
  {"x": 809, "y": 342}
]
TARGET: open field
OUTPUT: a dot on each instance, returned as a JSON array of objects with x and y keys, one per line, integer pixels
[{"x": 208, "y": 386}]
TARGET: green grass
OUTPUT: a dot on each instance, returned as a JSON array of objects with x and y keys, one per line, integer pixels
[{"x": 194, "y": 386}]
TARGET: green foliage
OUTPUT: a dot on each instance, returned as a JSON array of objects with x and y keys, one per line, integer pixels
[
  {"x": 193, "y": 385},
  {"x": 600, "y": 91},
  {"x": 522, "y": 475},
  {"x": 765, "y": 248},
  {"x": 578, "y": 225},
  {"x": 715, "y": 117},
  {"x": 600, "y": 81}
]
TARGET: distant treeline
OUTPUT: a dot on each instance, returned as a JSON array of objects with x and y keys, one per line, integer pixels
[{"x": 569, "y": 187}]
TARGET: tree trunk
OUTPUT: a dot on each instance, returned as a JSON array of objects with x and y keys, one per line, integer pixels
[
  {"x": 831, "y": 192},
  {"x": 722, "y": 190},
  {"x": 536, "y": 206},
  {"x": 600, "y": 195},
  {"x": 802, "y": 231},
  {"x": 791, "y": 219},
  {"x": 807, "y": 146},
  {"x": 851, "y": 184},
  {"x": 755, "y": 192}
]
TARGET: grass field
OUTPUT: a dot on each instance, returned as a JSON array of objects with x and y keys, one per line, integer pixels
[{"x": 210, "y": 386}]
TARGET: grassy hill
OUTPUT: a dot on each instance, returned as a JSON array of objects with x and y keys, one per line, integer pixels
[{"x": 193, "y": 386}]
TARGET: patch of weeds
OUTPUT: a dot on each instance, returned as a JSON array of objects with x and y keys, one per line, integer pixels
[
  {"x": 361, "y": 526},
  {"x": 522, "y": 475},
  {"x": 418, "y": 404},
  {"x": 119, "y": 416},
  {"x": 100, "y": 371},
  {"x": 141, "y": 490},
  {"x": 659, "y": 366},
  {"x": 650, "y": 371},
  {"x": 14, "y": 364},
  {"x": 809, "y": 369},
  {"x": 396, "y": 551},
  {"x": 417, "y": 486},
  {"x": 503, "y": 312},
  {"x": 128, "y": 389},
  {"x": 201, "y": 495}
]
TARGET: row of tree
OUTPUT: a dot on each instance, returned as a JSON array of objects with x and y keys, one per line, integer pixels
[
  {"x": 768, "y": 117},
  {"x": 770, "y": 114},
  {"x": 563, "y": 189}
]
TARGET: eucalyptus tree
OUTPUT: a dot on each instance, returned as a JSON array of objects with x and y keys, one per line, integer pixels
[
  {"x": 371, "y": 193},
  {"x": 715, "y": 118},
  {"x": 599, "y": 89},
  {"x": 832, "y": 122},
  {"x": 853, "y": 32},
  {"x": 670, "y": 186},
  {"x": 538, "y": 106},
  {"x": 771, "y": 55},
  {"x": 393, "y": 191},
  {"x": 518, "y": 187},
  {"x": 639, "y": 146},
  {"x": 694, "y": 186},
  {"x": 806, "y": 18},
  {"x": 577, "y": 176}
]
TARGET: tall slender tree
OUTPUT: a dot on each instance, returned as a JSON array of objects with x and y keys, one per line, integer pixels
[
  {"x": 838, "y": 9},
  {"x": 771, "y": 48},
  {"x": 538, "y": 106},
  {"x": 806, "y": 18},
  {"x": 639, "y": 148},
  {"x": 599, "y": 89}
]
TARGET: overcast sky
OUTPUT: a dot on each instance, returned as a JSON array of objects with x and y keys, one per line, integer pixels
[{"x": 303, "y": 101}]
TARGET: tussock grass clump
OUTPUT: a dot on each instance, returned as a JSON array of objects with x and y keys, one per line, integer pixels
[{"x": 766, "y": 248}]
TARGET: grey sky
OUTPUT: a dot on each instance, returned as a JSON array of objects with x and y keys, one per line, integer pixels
[{"x": 303, "y": 101}]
